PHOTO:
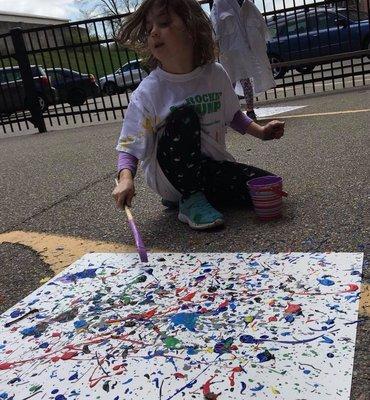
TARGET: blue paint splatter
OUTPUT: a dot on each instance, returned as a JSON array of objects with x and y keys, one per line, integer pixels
[
  {"x": 248, "y": 339},
  {"x": 327, "y": 340},
  {"x": 32, "y": 331},
  {"x": 244, "y": 386},
  {"x": 192, "y": 350},
  {"x": 156, "y": 381},
  {"x": 86, "y": 273},
  {"x": 325, "y": 281},
  {"x": 16, "y": 313},
  {"x": 74, "y": 376},
  {"x": 224, "y": 346},
  {"x": 188, "y": 320},
  {"x": 289, "y": 318},
  {"x": 81, "y": 323},
  {"x": 257, "y": 388},
  {"x": 265, "y": 356}
]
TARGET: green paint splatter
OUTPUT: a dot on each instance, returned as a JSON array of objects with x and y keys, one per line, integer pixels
[
  {"x": 126, "y": 299},
  {"x": 171, "y": 342},
  {"x": 35, "y": 388},
  {"x": 140, "y": 279}
]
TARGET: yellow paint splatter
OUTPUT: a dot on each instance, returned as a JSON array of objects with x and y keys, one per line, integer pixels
[{"x": 274, "y": 390}]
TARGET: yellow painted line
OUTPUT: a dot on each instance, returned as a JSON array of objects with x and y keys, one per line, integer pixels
[
  {"x": 323, "y": 114},
  {"x": 364, "y": 309},
  {"x": 60, "y": 251}
]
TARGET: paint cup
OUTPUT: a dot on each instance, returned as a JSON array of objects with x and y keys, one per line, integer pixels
[{"x": 267, "y": 194}]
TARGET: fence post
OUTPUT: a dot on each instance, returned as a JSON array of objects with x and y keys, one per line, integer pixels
[{"x": 27, "y": 78}]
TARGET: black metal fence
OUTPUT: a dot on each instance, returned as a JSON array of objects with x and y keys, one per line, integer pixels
[{"x": 75, "y": 73}]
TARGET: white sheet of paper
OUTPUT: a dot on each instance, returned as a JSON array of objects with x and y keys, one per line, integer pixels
[{"x": 241, "y": 326}]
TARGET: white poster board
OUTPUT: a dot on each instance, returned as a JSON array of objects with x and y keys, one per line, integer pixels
[{"x": 186, "y": 326}]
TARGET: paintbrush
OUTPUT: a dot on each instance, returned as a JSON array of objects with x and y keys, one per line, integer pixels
[{"x": 136, "y": 234}]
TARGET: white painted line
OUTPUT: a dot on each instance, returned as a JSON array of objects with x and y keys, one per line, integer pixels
[{"x": 262, "y": 112}]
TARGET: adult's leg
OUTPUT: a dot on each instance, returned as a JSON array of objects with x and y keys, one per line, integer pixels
[{"x": 248, "y": 93}]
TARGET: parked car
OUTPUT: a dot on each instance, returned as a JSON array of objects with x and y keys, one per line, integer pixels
[
  {"x": 72, "y": 86},
  {"x": 314, "y": 33},
  {"x": 13, "y": 97},
  {"x": 127, "y": 77}
]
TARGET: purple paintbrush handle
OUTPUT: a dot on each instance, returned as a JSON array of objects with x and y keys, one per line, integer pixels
[{"x": 138, "y": 241}]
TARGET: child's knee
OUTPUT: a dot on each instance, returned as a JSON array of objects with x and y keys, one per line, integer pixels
[{"x": 184, "y": 117}]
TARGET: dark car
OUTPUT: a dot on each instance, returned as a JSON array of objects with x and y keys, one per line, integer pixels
[
  {"x": 13, "y": 97},
  {"x": 73, "y": 87},
  {"x": 313, "y": 33}
]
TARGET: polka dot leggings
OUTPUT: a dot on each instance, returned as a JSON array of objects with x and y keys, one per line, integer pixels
[{"x": 189, "y": 171}]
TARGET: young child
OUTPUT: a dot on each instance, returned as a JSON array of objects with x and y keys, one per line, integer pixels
[{"x": 176, "y": 121}]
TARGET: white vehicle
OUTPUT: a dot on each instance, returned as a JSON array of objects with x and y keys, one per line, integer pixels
[{"x": 126, "y": 77}]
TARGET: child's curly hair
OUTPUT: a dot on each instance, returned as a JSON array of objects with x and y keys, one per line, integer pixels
[{"x": 133, "y": 33}]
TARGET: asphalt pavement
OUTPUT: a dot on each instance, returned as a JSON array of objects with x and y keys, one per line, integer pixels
[{"x": 60, "y": 183}]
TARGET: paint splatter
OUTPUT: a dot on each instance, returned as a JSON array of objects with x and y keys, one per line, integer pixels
[{"x": 227, "y": 327}]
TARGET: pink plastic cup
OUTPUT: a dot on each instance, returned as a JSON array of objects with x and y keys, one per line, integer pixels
[{"x": 267, "y": 194}]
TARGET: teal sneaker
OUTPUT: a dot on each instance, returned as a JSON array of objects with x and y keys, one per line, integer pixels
[{"x": 198, "y": 213}]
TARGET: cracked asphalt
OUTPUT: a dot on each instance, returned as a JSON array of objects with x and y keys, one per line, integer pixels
[{"x": 60, "y": 183}]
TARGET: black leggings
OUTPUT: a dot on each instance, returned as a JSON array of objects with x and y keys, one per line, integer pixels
[{"x": 189, "y": 171}]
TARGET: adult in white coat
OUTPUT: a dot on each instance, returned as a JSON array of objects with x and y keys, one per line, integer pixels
[{"x": 241, "y": 33}]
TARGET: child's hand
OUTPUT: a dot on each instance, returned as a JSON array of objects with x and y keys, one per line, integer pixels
[
  {"x": 273, "y": 130},
  {"x": 124, "y": 192}
]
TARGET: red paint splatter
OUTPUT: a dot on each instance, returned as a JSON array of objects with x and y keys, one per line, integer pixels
[
  {"x": 207, "y": 386},
  {"x": 178, "y": 290},
  {"x": 232, "y": 376},
  {"x": 188, "y": 297},
  {"x": 179, "y": 375},
  {"x": 224, "y": 304},
  {"x": 352, "y": 287},
  {"x": 150, "y": 313},
  {"x": 272, "y": 318},
  {"x": 68, "y": 355},
  {"x": 6, "y": 365},
  {"x": 55, "y": 359},
  {"x": 56, "y": 334},
  {"x": 293, "y": 309}
]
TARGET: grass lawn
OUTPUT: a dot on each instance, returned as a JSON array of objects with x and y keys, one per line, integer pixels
[{"x": 96, "y": 60}]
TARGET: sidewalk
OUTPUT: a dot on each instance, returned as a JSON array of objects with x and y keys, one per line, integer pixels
[{"x": 60, "y": 183}]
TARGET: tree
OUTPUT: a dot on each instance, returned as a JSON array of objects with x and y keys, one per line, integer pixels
[{"x": 103, "y": 8}]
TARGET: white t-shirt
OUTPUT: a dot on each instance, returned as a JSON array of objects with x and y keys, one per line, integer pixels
[{"x": 208, "y": 88}]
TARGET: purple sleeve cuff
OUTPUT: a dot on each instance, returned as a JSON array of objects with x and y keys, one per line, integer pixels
[
  {"x": 240, "y": 122},
  {"x": 127, "y": 161}
]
